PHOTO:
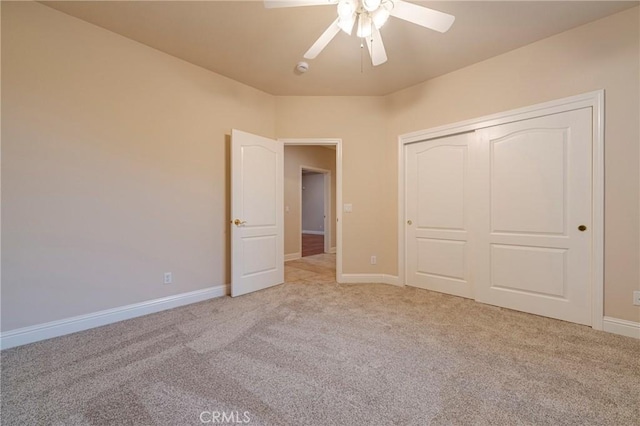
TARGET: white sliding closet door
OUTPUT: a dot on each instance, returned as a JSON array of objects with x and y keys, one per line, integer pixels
[
  {"x": 437, "y": 215},
  {"x": 532, "y": 208},
  {"x": 504, "y": 215}
]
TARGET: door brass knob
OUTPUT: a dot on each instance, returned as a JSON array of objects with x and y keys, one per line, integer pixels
[
  {"x": 582, "y": 228},
  {"x": 409, "y": 222},
  {"x": 239, "y": 222}
]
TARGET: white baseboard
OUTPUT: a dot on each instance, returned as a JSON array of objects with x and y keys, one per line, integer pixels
[
  {"x": 332, "y": 250},
  {"x": 291, "y": 256},
  {"x": 622, "y": 327},
  {"x": 313, "y": 232},
  {"x": 370, "y": 278},
  {"x": 35, "y": 333}
]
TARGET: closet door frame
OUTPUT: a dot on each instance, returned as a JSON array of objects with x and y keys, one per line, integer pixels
[{"x": 593, "y": 100}]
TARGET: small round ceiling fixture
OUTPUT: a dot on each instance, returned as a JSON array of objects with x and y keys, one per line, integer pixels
[{"x": 302, "y": 67}]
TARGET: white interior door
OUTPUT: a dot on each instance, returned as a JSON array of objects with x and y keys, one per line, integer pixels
[
  {"x": 257, "y": 232},
  {"x": 532, "y": 199},
  {"x": 437, "y": 214}
]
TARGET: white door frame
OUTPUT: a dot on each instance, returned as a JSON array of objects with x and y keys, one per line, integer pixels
[
  {"x": 337, "y": 143},
  {"x": 326, "y": 208},
  {"x": 593, "y": 100}
]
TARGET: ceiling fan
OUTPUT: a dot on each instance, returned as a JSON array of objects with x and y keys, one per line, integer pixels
[{"x": 368, "y": 16}]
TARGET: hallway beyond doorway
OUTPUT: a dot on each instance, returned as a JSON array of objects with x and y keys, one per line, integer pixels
[
  {"x": 320, "y": 268},
  {"x": 312, "y": 244}
]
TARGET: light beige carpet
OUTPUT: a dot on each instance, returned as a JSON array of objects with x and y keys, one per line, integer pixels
[{"x": 313, "y": 352}]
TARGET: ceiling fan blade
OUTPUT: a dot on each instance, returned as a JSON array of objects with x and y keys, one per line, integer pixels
[
  {"x": 273, "y": 4},
  {"x": 422, "y": 16},
  {"x": 376, "y": 47},
  {"x": 323, "y": 41}
]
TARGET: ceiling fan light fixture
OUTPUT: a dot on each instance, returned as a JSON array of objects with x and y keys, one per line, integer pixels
[
  {"x": 346, "y": 9},
  {"x": 380, "y": 17},
  {"x": 347, "y": 24},
  {"x": 371, "y": 5},
  {"x": 368, "y": 16},
  {"x": 364, "y": 25}
]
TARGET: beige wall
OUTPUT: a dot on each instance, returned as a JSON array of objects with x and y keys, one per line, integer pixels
[
  {"x": 360, "y": 123},
  {"x": 115, "y": 157},
  {"x": 296, "y": 156},
  {"x": 600, "y": 55},
  {"x": 114, "y": 168}
]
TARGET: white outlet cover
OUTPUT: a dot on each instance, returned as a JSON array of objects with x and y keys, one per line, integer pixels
[{"x": 348, "y": 208}]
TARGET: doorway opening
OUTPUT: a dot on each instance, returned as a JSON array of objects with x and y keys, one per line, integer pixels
[
  {"x": 315, "y": 211},
  {"x": 312, "y": 194}
]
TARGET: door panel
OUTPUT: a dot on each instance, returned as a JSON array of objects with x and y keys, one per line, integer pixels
[
  {"x": 441, "y": 257},
  {"x": 259, "y": 185},
  {"x": 440, "y": 182},
  {"x": 436, "y": 215},
  {"x": 257, "y": 239},
  {"x": 532, "y": 186},
  {"x": 535, "y": 270},
  {"x": 259, "y": 254},
  {"x": 528, "y": 181}
]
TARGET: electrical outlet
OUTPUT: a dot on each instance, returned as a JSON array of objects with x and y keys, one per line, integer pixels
[
  {"x": 168, "y": 278},
  {"x": 374, "y": 260},
  {"x": 636, "y": 298}
]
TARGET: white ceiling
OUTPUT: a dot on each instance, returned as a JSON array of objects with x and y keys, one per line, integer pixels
[{"x": 260, "y": 47}]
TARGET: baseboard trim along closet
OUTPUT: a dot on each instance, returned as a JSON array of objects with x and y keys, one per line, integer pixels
[
  {"x": 621, "y": 327},
  {"x": 35, "y": 333},
  {"x": 370, "y": 278}
]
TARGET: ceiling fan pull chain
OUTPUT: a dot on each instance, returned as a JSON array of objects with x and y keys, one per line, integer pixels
[
  {"x": 372, "y": 47},
  {"x": 361, "y": 56}
]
